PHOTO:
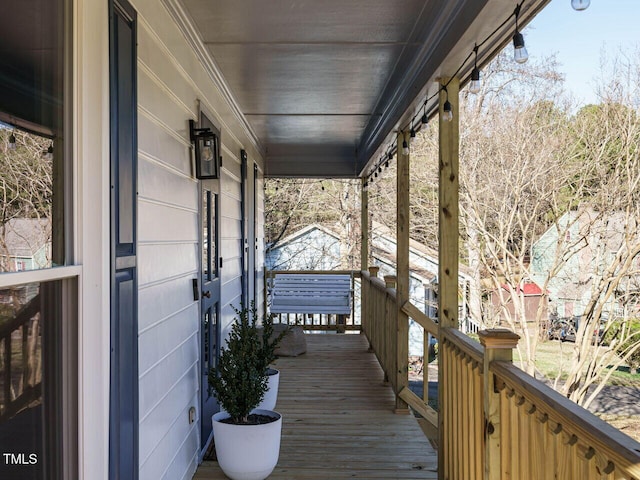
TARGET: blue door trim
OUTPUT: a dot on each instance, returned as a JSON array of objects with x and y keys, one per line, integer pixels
[{"x": 123, "y": 397}]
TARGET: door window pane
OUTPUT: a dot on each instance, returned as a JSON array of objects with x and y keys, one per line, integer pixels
[
  {"x": 209, "y": 231},
  {"x": 209, "y": 340},
  {"x": 213, "y": 221},
  {"x": 206, "y": 234}
]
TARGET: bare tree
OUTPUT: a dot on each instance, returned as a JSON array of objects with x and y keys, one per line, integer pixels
[
  {"x": 608, "y": 136},
  {"x": 26, "y": 174},
  {"x": 292, "y": 204}
]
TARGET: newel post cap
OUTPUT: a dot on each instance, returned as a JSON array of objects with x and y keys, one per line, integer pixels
[
  {"x": 390, "y": 281},
  {"x": 498, "y": 338},
  {"x": 373, "y": 271}
]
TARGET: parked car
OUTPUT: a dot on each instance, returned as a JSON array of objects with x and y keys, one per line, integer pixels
[{"x": 565, "y": 329}]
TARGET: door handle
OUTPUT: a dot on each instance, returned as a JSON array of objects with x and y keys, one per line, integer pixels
[{"x": 206, "y": 293}]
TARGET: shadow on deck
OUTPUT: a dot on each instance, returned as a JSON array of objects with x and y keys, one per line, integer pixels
[{"x": 338, "y": 419}]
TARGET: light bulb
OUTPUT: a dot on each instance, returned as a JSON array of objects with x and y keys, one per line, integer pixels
[
  {"x": 413, "y": 132},
  {"x": 580, "y": 4},
  {"x": 390, "y": 156},
  {"x": 12, "y": 142},
  {"x": 447, "y": 111},
  {"x": 474, "y": 86},
  {"x": 206, "y": 153},
  {"x": 520, "y": 53},
  {"x": 48, "y": 153},
  {"x": 405, "y": 147},
  {"x": 424, "y": 119}
]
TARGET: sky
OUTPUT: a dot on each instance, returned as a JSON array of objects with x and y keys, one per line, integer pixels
[{"x": 579, "y": 38}]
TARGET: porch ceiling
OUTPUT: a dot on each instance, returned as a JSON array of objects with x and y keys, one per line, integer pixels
[{"x": 323, "y": 84}]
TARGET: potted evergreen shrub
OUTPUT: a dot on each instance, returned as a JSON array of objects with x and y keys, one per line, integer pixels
[{"x": 247, "y": 439}]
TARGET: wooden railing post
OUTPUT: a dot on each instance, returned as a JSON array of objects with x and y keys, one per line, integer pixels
[
  {"x": 402, "y": 268},
  {"x": 373, "y": 271},
  {"x": 498, "y": 345},
  {"x": 390, "y": 281}
]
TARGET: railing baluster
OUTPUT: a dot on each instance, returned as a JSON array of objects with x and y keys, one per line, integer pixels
[
  {"x": 478, "y": 404},
  {"x": 425, "y": 367}
]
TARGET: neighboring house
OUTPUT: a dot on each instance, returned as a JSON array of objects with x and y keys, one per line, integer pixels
[
  {"x": 589, "y": 243},
  {"x": 424, "y": 260},
  {"x": 531, "y": 295},
  {"x": 25, "y": 244},
  {"x": 316, "y": 247},
  {"x": 313, "y": 247}
]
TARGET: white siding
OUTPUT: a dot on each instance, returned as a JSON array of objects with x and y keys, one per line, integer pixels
[
  {"x": 230, "y": 239},
  {"x": 171, "y": 81}
]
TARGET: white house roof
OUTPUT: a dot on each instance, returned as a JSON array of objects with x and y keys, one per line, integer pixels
[
  {"x": 382, "y": 234},
  {"x": 381, "y": 239}
]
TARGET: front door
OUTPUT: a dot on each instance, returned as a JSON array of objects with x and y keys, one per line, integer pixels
[{"x": 209, "y": 299}]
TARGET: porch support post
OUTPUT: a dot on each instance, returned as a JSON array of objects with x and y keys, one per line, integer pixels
[
  {"x": 448, "y": 228},
  {"x": 498, "y": 345},
  {"x": 364, "y": 262},
  {"x": 402, "y": 269},
  {"x": 364, "y": 226},
  {"x": 449, "y": 139}
]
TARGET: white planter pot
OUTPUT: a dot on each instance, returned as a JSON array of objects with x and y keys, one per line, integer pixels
[
  {"x": 247, "y": 452},
  {"x": 271, "y": 396}
]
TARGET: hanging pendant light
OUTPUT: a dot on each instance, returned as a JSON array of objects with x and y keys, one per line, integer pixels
[
  {"x": 474, "y": 86},
  {"x": 580, "y": 5},
  {"x": 447, "y": 111},
  {"x": 520, "y": 54},
  {"x": 12, "y": 141}
]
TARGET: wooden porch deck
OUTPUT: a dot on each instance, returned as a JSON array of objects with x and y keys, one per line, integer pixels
[{"x": 338, "y": 419}]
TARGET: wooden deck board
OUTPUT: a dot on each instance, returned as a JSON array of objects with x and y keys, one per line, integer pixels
[{"x": 338, "y": 419}]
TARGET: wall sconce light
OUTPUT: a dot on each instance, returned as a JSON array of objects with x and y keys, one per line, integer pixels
[{"x": 206, "y": 142}]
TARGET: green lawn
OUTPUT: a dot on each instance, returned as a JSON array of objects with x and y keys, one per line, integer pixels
[{"x": 553, "y": 353}]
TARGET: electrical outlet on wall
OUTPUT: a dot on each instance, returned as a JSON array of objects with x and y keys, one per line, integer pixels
[{"x": 192, "y": 415}]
